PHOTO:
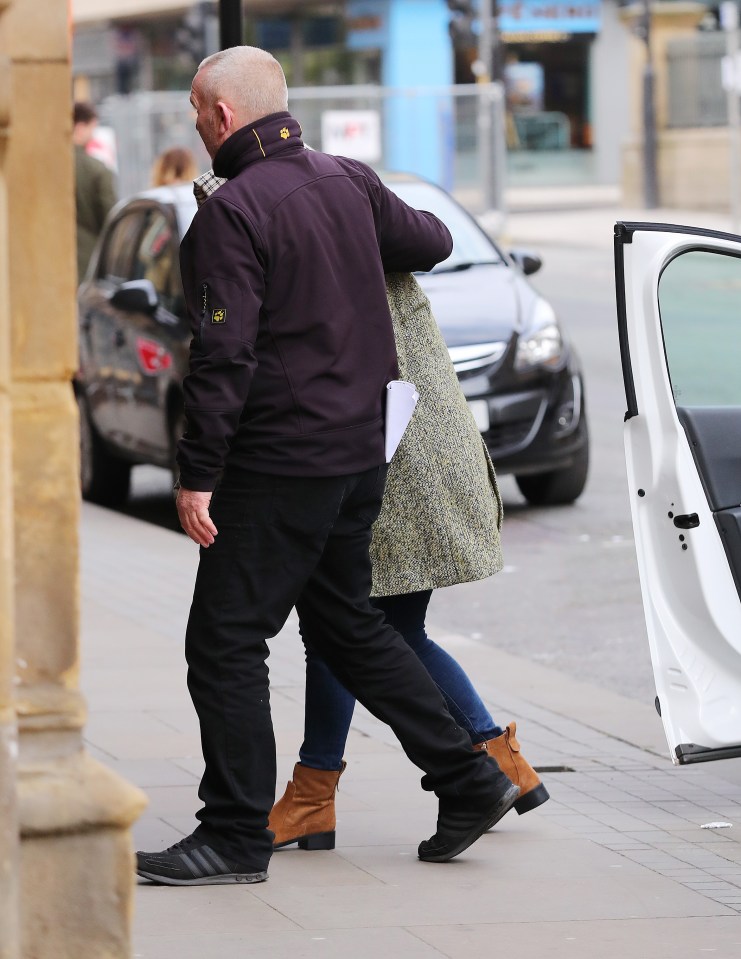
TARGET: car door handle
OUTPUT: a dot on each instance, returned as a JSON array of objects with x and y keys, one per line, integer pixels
[{"x": 687, "y": 521}]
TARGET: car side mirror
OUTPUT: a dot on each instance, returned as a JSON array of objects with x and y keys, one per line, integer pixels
[
  {"x": 136, "y": 296},
  {"x": 528, "y": 262}
]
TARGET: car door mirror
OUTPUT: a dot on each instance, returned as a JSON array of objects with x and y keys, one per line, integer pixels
[
  {"x": 528, "y": 262},
  {"x": 136, "y": 296}
]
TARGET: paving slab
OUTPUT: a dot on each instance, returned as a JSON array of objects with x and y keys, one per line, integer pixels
[
  {"x": 696, "y": 938},
  {"x": 591, "y": 227},
  {"x": 301, "y": 944},
  {"x": 502, "y": 899}
]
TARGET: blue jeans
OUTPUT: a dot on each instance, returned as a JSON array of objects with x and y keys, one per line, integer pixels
[{"x": 329, "y": 706}]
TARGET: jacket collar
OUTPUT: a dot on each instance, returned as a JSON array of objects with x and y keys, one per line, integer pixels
[{"x": 278, "y": 133}]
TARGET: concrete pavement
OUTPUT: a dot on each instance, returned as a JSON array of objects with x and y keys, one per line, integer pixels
[
  {"x": 617, "y": 864},
  {"x": 580, "y": 217}
]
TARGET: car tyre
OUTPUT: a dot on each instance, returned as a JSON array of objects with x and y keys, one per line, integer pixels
[
  {"x": 557, "y": 487},
  {"x": 104, "y": 479}
]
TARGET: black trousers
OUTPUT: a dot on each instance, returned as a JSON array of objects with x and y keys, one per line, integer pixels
[{"x": 286, "y": 541}]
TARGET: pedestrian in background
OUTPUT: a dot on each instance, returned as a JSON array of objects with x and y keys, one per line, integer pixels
[
  {"x": 283, "y": 276},
  {"x": 173, "y": 167},
  {"x": 439, "y": 525},
  {"x": 95, "y": 190}
]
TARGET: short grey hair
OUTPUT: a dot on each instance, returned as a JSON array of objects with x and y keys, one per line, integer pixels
[{"x": 250, "y": 79}]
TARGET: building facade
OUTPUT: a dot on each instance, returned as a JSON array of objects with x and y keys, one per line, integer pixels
[{"x": 562, "y": 64}]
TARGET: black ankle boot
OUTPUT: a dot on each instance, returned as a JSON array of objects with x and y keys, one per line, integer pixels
[{"x": 459, "y": 824}]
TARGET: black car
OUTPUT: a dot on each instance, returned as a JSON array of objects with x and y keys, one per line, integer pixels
[{"x": 519, "y": 374}]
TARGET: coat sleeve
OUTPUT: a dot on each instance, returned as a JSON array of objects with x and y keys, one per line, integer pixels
[
  {"x": 409, "y": 240},
  {"x": 223, "y": 283}
]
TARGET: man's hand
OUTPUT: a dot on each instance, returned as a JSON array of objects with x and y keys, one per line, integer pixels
[{"x": 193, "y": 513}]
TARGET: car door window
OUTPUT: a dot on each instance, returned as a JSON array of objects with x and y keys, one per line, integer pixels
[
  {"x": 700, "y": 304},
  {"x": 700, "y": 308},
  {"x": 156, "y": 258},
  {"x": 116, "y": 259}
]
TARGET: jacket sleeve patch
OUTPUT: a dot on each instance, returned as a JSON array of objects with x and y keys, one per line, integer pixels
[{"x": 218, "y": 316}]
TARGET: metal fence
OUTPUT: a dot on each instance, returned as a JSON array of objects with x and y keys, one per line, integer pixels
[
  {"x": 695, "y": 93},
  {"x": 452, "y": 135}
]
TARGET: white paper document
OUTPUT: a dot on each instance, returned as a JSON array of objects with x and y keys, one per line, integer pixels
[{"x": 401, "y": 398}]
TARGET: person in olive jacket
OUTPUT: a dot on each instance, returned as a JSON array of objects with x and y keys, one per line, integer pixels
[
  {"x": 95, "y": 188},
  {"x": 283, "y": 276}
]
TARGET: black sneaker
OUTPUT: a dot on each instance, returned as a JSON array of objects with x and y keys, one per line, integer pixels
[
  {"x": 191, "y": 862},
  {"x": 459, "y": 825}
]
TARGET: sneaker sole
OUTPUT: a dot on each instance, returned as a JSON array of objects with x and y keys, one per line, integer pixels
[
  {"x": 503, "y": 806},
  {"x": 222, "y": 880}
]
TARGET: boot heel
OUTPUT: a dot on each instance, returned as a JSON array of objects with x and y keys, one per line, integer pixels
[
  {"x": 320, "y": 840},
  {"x": 532, "y": 798}
]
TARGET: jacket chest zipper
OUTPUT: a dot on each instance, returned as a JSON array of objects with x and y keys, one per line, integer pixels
[{"x": 204, "y": 308}]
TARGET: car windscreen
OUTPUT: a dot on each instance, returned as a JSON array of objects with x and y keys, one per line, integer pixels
[{"x": 471, "y": 246}]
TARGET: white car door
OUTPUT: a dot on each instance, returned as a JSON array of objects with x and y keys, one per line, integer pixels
[{"x": 679, "y": 315}]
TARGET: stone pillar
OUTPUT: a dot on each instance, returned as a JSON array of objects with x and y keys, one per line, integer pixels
[
  {"x": 9, "y": 940},
  {"x": 669, "y": 19},
  {"x": 74, "y": 815}
]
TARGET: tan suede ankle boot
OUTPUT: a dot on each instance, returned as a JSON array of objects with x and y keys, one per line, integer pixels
[
  {"x": 305, "y": 813},
  {"x": 506, "y": 750}
]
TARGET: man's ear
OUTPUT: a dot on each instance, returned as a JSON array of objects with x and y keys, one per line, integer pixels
[{"x": 226, "y": 118}]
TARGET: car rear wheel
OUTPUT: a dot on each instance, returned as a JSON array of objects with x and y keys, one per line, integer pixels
[
  {"x": 557, "y": 487},
  {"x": 104, "y": 479}
]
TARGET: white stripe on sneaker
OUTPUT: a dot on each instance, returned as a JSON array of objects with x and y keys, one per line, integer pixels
[{"x": 203, "y": 862}]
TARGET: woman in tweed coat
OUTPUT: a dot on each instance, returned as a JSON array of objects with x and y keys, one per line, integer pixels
[{"x": 439, "y": 525}]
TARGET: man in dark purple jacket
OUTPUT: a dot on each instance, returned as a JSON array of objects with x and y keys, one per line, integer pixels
[{"x": 283, "y": 272}]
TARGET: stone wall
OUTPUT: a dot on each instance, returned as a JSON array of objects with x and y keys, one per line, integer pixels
[
  {"x": 8, "y": 734},
  {"x": 693, "y": 167},
  {"x": 681, "y": 154},
  {"x": 71, "y": 897}
]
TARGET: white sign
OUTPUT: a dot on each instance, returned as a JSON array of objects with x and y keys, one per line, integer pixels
[
  {"x": 352, "y": 133},
  {"x": 102, "y": 146},
  {"x": 730, "y": 73}
]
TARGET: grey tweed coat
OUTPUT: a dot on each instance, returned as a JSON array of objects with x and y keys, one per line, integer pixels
[{"x": 442, "y": 512}]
